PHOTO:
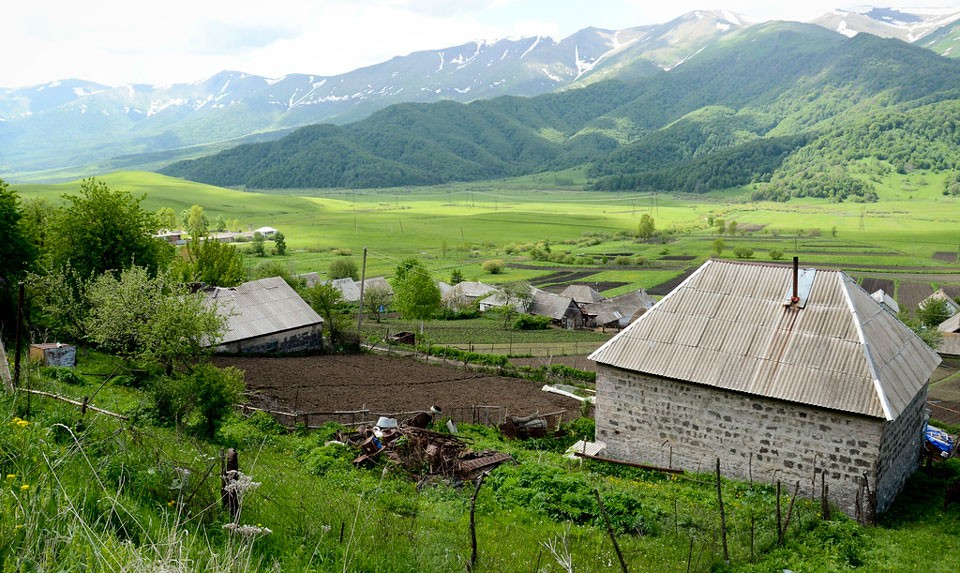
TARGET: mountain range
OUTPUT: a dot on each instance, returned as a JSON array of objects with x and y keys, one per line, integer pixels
[{"x": 79, "y": 127}]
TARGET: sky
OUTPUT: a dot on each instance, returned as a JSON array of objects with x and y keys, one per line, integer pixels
[{"x": 178, "y": 41}]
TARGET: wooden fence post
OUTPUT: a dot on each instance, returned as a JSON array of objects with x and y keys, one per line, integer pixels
[
  {"x": 723, "y": 518},
  {"x": 229, "y": 473}
]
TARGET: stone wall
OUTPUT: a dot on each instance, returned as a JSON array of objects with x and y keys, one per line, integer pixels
[
  {"x": 666, "y": 422},
  {"x": 900, "y": 450},
  {"x": 304, "y": 339}
]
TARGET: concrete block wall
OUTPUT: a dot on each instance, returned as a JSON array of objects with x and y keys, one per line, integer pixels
[{"x": 666, "y": 422}]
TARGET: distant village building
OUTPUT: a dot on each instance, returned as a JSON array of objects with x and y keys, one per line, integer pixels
[
  {"x": 267, "y": 232},
  {"x": 582, "y": 294},
  {"x": 267, "y": 315},
  {"x": 465, "y": 293},
  {"x": 781, "y": 373},
  {"x": 952, "y": 307},
  {"x": 618, "y": 312},
  {"x": 950, "y": 332},
  {"x": 564, "y": 311}
]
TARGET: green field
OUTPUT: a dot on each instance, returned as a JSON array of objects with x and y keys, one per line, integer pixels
[{"x": 460, "y": 226}]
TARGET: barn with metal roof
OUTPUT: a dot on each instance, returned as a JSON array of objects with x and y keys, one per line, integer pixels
[
  {"x": 267, "y": 315},
  {"x": 783, "y": 373}
]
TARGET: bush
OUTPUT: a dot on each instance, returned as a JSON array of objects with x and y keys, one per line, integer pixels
[
  {"x": 494, "y": 266},
  {"x": 200, "y": 399},
  {"x": 776, "y": 254},
  {"x": 344, "y": 268},
  {"x": 531, "y": 322},
  {"x": 743, "y": 252},
  {"x": 61, "y": 374}
]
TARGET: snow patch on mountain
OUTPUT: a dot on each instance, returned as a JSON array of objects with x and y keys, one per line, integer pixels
[{"x": 843, "y": 29}]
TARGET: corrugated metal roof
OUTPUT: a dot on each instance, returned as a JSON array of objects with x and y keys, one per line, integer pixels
[
  {"x": 348, "y": 288},
  {"x": 726, "y": 326},
  {"x": 620, "y": 307},
  {"x": 377, "y": 282},
  {"x": 472, "y": 289},
  {"x": 952, "y": 324},
  {"x": 582, "y": 294},
  {"x": 548, "y": 304},
  {"x": 261, "y": 307}
]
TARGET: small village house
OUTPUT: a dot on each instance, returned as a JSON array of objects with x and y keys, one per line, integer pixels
[
  {"x": 267, "y": 315},
  {"x": 781, "y": 373}
]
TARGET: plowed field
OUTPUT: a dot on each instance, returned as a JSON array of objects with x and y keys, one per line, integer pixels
[{"x": 384, "y": 384}]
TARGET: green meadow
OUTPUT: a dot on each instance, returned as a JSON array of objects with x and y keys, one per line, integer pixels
[{"x": 462, "y": 225}]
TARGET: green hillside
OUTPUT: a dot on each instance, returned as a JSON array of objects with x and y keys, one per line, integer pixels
[{"x": 748, "y": 109}]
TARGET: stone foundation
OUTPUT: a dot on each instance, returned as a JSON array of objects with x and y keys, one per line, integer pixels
[{"x": 682, "y": 425}]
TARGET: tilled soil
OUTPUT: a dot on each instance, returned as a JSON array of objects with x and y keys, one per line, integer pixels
[{"x": 383, "y": 384}]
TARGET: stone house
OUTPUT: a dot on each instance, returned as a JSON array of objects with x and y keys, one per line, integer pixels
[
  {"x": 783, "y": 373},
  {"x": 267, "y": 315}
]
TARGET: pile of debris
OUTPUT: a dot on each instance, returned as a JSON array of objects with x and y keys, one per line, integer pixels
[{"x": 420, "y": 451}]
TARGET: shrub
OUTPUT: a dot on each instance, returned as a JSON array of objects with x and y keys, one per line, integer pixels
[
  {"x": 623, "y": 261},
  {"x": 743, "y": 252},
  {"x": 776, "y": 254},
  {"x": 531, "y": 322},
  {"x": 493, "y": 266},
  {"x": 344, "y": 268}
]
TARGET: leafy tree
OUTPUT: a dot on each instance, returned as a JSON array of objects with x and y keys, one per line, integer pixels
[
  {"x": 103, "y": 230},
  {"x": 151, "y": 318},
  {"x": 16, "y": 255},
  {"x": 718, "y": 246},
  {"x": 456, "y": 277},
  {"x": 376, "y": 299},
  {"x": 343, "y": 268},
  {"x": 493, "y": 266},
  {"x": 732, "y": 228},
  {"x": 195, "y": 222},
  {"x": 929, "y": 335},
  {"x": 220, "y": 224},
  {"x": 269, "y": 269},
  {"x": 210, "y": 262},
  {"x": 776, "y": 254},
  {"x": 518, "y": 295},
  {"x": 416, "y": 295},
  {"x": 721, "y": 225},
  {"x": 201, "y": 398},
  {"x": 932, "y": 312},
  {"x": 256, "y": 246},
  {"x": 36, "y": 218},
  {"x": 279, "y": 244},
  {"x": 166, "y": 218},
  {"x": 646, "y": 228},
  {"x": 60, "y": 297},
  {"x": 327, "y": 300}
]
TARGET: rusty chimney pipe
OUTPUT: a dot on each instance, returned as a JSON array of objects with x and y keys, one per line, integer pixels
[{"x": 796, "y": 277}]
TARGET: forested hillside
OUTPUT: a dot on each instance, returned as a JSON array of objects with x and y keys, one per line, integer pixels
[{"x": 784, "y": 103}]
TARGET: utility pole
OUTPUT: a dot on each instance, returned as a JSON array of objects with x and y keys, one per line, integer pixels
[{"x": 363, "y": 278}]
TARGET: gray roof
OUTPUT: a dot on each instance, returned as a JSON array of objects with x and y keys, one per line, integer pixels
[
  {"x": 348, "y": 288},
  {"x": 472, "y": 289},
  {"x": 553, "y": 305},
  {"x": 261, "y": 307},
  {"x": 952, "y": 306},
  {"x": 620, "y": 308},
  {"x": 378, "y": 282},
  {"x": 728, "y": 326},
  {"x": 950, "y": 344},
  {"x": 582, "y": 294},
  {"x": 952, "y": 324},
  {"x": 310, "y": 279}
]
